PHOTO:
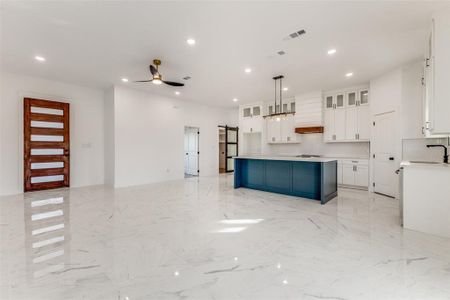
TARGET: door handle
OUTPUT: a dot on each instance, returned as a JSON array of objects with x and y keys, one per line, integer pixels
[
  {"x": 391, "y": 158},
  {"x": 66, "y": 153}
]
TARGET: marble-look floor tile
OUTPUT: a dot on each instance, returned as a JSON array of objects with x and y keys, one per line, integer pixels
[{"x": 199, "y": 238}]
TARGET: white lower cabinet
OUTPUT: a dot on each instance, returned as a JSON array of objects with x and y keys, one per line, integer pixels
[
  {"x": 362, "y": 176},
  {"x": 353, "y": 173}
]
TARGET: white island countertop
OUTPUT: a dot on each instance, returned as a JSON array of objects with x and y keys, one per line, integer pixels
[
  {"x": 288, "y": 158},
  {"x": 424, "y": 164}
]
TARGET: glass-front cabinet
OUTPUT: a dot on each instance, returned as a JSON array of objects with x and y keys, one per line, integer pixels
[
  {"x": 351, "y": 99},
  {"x": 251, "y": 111},
  {"x": 287, "y": 107},
  {"x": 364, "y": 97}
]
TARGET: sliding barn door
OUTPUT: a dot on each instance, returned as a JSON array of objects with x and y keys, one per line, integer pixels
[
  {"x": 46, "y": 144},
  {"x": 231, "y": 147}
]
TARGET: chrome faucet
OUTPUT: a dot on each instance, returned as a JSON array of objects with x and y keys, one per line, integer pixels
[{"x": 445, "y": 152}]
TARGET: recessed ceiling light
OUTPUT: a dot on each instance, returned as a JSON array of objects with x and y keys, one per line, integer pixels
[
  {"x": 235, "y": 99},
  {"x": 39, "y": 58},
  {"x": 349, "y": 74},
  {"x": 177, "y": 93},
  {"x": 125, "y": 79},
  {"x": 285, "y": 89},
  {"x": 190, "y": 42},
  {"x": 331, "y": 51},
  {"x": 248, "y": 70}
]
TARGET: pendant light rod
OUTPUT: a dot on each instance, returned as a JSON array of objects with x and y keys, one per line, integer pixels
[
  {"x": 281, "y": 94},
  {"x": 276, "y": 78},
  {"x": 275, "y": 107},
  {"x": 278, "y": 112}
]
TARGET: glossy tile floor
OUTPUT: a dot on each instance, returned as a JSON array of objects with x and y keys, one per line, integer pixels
[{"x": 199, "y": 238}]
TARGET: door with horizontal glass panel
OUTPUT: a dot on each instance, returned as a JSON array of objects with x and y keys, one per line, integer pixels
[
  {"x": 46, "y": 144},
  {"x": 231, "y": 147}
]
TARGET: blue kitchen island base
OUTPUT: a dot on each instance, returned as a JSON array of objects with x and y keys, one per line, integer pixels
[{"x": 303, "y": 178}]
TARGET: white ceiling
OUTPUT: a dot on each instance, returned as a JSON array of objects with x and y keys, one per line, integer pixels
[{"x": 98, "y": 43}]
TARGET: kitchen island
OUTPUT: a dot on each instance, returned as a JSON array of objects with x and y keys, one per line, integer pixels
[{"x": 313, "y": 178}]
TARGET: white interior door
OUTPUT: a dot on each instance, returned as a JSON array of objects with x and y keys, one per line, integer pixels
[
  {"x": 191, "y": 151},
  {"x": 384, "y": 164}
]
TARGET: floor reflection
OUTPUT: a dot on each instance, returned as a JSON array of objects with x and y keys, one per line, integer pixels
[{"x": 47, "y": 235}]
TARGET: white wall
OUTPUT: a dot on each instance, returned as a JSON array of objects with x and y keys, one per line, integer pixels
[
  {"x": 86, "y": 129},
  {"x": 149, "y": 136},
  {"x": 400, "y": 91},
  {"x": 109, "y": 137},
  {"x": 412, "y": 100}
]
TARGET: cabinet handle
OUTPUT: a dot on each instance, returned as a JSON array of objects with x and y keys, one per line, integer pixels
[
  {"x": 427, "y": 61},
  {"x": 273, "y": 139},
  {"x": 288, "y": 138},
  {"x": 356, "y": 136},
  {"x": 251, "y": 129}
]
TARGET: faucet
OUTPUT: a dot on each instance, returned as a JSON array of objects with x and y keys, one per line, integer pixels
[{"x": 445, "y": 152}]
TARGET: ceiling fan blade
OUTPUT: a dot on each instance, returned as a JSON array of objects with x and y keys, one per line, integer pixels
[
  {"x": 144, "y": 80},
  {"x": 173, "y": 83},
  {"x": 153, "y": 70}
]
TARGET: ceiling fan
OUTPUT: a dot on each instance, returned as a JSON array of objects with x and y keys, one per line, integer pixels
[{"x": 157, "y": 78}]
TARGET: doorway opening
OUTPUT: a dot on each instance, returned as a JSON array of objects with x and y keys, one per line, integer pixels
[
  {"x": 228, "y": 148},
  {"x": 191, "y": 150}
]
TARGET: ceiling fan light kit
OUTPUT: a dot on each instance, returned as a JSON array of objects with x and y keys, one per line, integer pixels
[{"x": 157, "y": 77}]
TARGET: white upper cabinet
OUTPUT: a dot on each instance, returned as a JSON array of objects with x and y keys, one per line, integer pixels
[
  {"x": 437, "y": 74},
  {"x": 363, "y": 98},
  {"x": 363, "y": 123},
  {"x": 347, "y": 116},
  {"x": 340, "y": 102},
  {"x": 281, "y": 130},
  {"x": 273, "y": 130},
  {"x": 351, "y": 125},
  {"x": 288, "y": 106},
  {"x": 328, "y": 123},
  {"x": 329, "y": 102},
  {"x": 351, "y": 98},
  {"x": 250, "y": 118}
]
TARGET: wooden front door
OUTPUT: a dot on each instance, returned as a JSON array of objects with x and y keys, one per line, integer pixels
[{"x": 46, "y": 144}]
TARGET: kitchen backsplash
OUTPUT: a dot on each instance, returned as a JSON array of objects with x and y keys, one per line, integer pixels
[
  {"x": 415, "y": 149},
  {"x": 313, "y": 144}
]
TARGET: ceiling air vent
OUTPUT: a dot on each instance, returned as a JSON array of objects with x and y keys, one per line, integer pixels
[
  {"x": 294, "y": 35},
  {"x": 187, "y": 77}
]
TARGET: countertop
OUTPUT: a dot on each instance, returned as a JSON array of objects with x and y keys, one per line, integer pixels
[
  {"x": 409, "y": 164},
  {"x": 288, "y": 158}
]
